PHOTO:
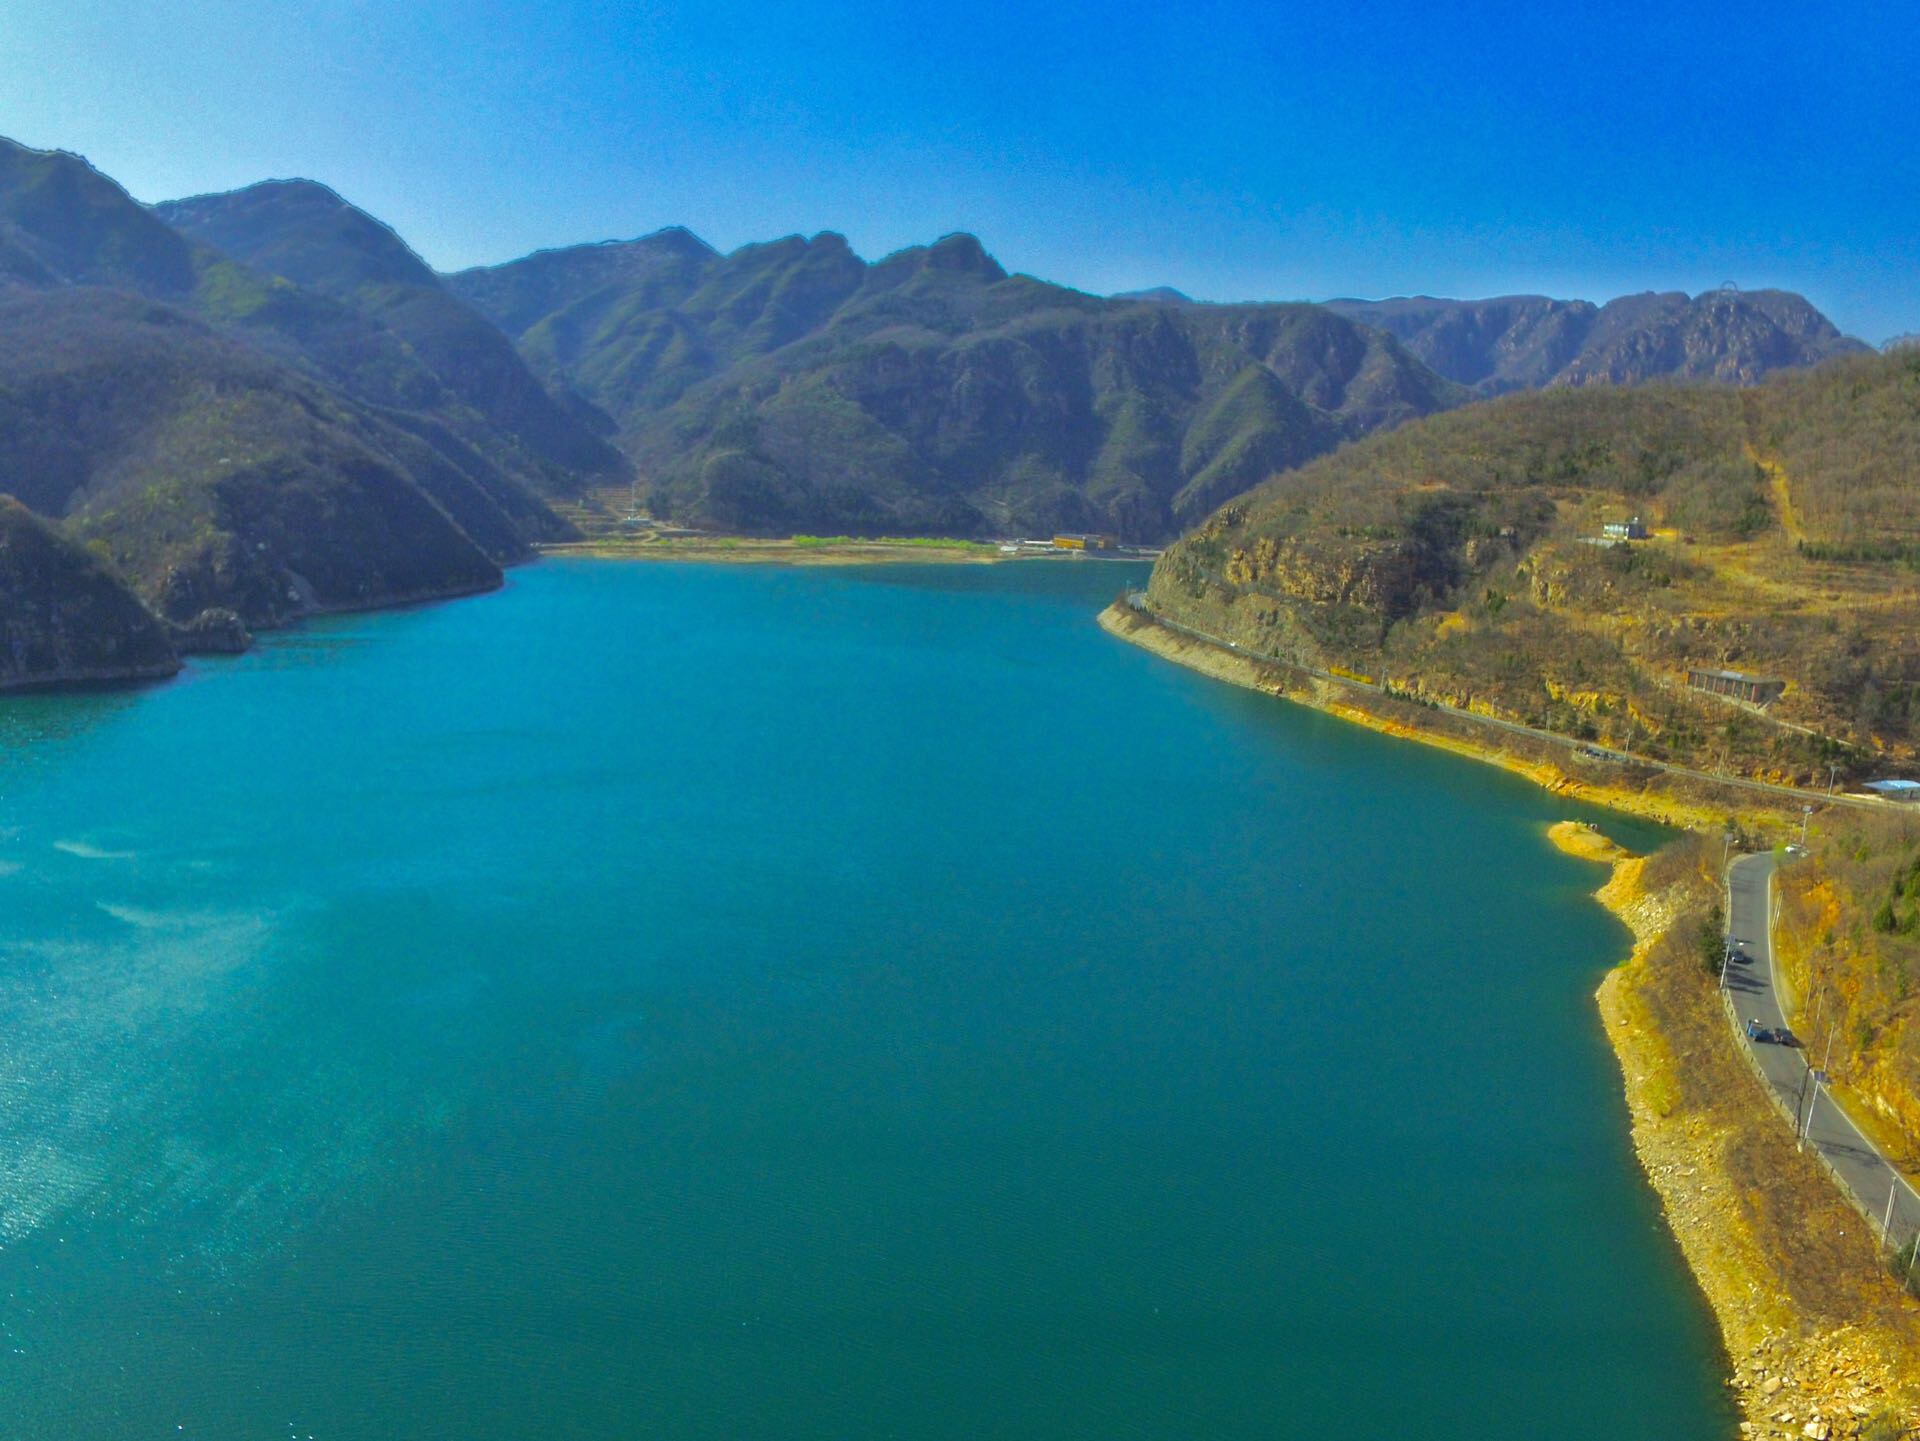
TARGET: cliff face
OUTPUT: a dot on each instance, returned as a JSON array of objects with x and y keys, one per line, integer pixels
[{"x": 64, "y": 618}]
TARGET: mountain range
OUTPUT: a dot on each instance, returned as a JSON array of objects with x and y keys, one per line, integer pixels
[
  {"x": 795, "y": 386},
  {"x": 248, "y": 407}
]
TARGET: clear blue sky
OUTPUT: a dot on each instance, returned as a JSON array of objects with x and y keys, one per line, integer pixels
[{"x": 1235, "y": 150}]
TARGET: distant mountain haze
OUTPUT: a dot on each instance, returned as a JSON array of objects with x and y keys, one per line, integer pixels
[
  {"x": 1528, "y": 342},
  {"x": 1165, "y": 293}
]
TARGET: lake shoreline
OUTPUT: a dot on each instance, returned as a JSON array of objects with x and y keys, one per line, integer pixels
[
  {"x": 1798, "y": 1369},
  {"x": 742, "y": 550},
  {"x": 818, "y": 550},
  {"x": 847, "y": 1146},
  {"x": 1660, "y": 798},
  {"x": 1733, "y": 1191}
]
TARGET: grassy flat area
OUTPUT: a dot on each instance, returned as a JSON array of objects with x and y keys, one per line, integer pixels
[{"x": 795, "y": 550}]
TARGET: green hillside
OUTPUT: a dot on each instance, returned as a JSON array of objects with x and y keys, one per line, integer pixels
[
  {"x": 217, "y": 477},
  {"x": 64, "y": 617},
  {"x": 305, "y": 234},
  {"x": 241, "y": 447},
  {"x": 794, "y": 387}
]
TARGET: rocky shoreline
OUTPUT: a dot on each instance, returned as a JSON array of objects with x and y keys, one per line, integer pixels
[
  {"x": 1822, "y": 1343},
  {"x": 1656, "y": 801}
]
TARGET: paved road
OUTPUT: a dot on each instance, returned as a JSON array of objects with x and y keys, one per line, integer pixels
[{"x": 1752, "y": 984}]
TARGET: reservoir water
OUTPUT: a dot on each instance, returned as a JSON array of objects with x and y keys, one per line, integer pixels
[{"x": 707, "y": 1002}]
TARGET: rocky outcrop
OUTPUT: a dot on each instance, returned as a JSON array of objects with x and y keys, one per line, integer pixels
[
  {"x": 215, "y": 631},
  {"x": 64, "y": 618}
]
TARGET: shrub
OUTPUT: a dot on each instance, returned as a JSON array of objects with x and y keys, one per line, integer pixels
[{"x": 1710, "y": 940}]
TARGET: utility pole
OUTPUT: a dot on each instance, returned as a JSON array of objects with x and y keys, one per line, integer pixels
[
  {"x": 1813, "y": 1104},
  {"x": 1886, "y": 1226},
  {"x": 1832, "y": 770},
  {"x": 1806, "y": 814}
]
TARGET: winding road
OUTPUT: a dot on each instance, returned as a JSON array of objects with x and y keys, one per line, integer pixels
[{"x": 1753, "y": 985}]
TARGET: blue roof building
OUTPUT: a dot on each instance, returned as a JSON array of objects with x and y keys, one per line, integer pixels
[{"x": 1895, "y": 790}]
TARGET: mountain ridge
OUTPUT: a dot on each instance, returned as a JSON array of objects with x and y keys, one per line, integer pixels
[
  {"x": 790, "y": 385},
  {"x": 306, "y": 233},
  {"x": 1528, "y": 342}
]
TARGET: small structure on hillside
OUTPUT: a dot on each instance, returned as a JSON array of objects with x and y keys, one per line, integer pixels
[
  {"x": 1074, "y": 540},
  {"x": 1624, "y": 529},
  {"x": 1738, "y": 685},
  {"x": 1906, "y": 792}
]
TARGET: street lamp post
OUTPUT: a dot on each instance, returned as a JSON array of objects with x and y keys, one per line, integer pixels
[{"x": 1813, "y": 1104}]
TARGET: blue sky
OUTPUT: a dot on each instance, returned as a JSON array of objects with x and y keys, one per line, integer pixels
[{"x": 1236, "y": 150}]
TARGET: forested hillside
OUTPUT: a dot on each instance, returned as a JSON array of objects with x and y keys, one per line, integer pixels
[
  {"x": 260, "y": 404},
  {"x": 64, "y": 619},
  {"x": 304, "y": 233},
  {"x": 1850, "y": 923},
  {"x": 1457, "y": 559},
  {"x": 793, "y": 386},
  {"x": 240, "y": 448},
  {"x": 217, "y": 477}
]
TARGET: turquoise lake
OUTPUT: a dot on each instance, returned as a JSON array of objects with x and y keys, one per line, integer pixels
[{"x": 717, "y": 1002}]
